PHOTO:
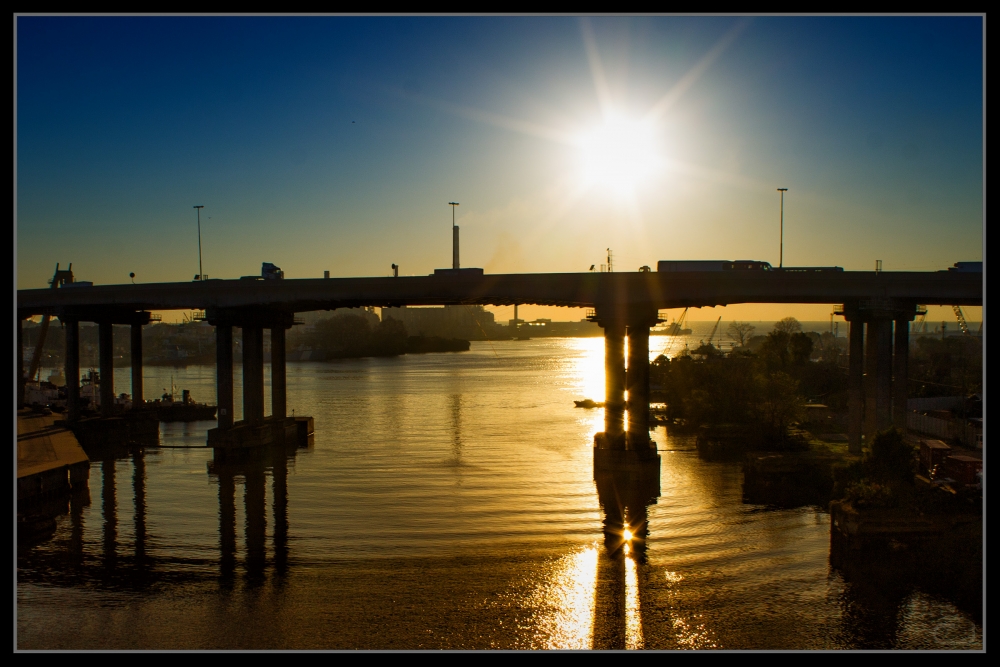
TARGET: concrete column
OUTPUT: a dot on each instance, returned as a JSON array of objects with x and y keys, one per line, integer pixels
[
  {"x": 138, "y": 400},
  {"x": 900, "y": 372},
  {"x": 855, "y": 387},
  {"x": 883, "y": 377},
  {"x": 224, "y": 374},
  {"x": 614, "y": 384},
  {"x": 637, "y": 384},
  {"x": 253, "y": 374},
  {"x": 105, "y": 332},
  {"x": 72, "y": 369},
  {"x": 871, "y": 367},
  {"x": 279, "y": 384},
  {"x": 20, "y": 363}
]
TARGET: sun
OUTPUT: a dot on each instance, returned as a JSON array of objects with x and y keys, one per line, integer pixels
[{"x": 621, "y": 153}]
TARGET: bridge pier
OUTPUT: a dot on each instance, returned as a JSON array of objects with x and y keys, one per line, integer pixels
[
  {"x": 855, "y": 387},
  {"x": 224, "y": 374},
  {"x": 614, "y": 386},
  {"x": 614, "y": 448},
  {"x": 278, "y": 376},
  {"x": 637, "y": 379},
  {"x": 255, "y": 429},
  {"x": 139, "y": 426},
  {"x": 878, "y": 367},
  {"x": 135, "y": 353},
  {"x": 900, "y": 373},
  {"x": 883, "y": 377},
  {"x": 253, "y": 374}
]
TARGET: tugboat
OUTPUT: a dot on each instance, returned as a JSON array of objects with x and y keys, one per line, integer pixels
[{"x": 184, "y": 410}]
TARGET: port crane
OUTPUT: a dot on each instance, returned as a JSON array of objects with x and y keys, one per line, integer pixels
[
  {"x": 59, "y": 278},
  {"x": 962, "y": 324},
  {"x": 920, "y": 326},
  {"x": 672, "y": 337},
  {"x": 712, "y": 335}
]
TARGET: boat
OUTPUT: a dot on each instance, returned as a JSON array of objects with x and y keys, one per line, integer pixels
[
  {"x": 184, "y": 410},
  {"x": 672, "y": 329},
  {"x": 90, "y": 391},
  {"x": 40, "y": 394},
  {"x": 587, "y": 403}
]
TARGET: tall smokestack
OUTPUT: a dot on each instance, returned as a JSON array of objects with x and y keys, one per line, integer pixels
[{"x": 454, "y": 252}]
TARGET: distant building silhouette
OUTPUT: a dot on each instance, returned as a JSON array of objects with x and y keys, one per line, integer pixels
[{"x": 465, "y": 322}]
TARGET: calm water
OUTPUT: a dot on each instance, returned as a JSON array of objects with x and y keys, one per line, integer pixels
[{"x": 448, "y": 501}]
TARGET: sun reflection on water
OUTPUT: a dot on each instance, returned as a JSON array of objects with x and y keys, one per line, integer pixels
[
  {"x": 567, "y": 602},
  {"x": 633, "y": 621}
]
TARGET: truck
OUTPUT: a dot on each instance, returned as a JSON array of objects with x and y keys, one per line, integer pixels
[
  {"x": 269, "y": 271},
  {"x": 967, "y": 267},
  {"x": 700, "y": 265}
]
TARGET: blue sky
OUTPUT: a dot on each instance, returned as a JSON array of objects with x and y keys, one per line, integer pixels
[{"x": 335, "y": 143}]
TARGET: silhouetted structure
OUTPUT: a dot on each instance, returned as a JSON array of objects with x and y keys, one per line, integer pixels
[{"x": 624, "y": 304}]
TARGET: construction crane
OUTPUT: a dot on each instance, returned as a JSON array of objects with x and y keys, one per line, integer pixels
[
  {"x": 712, "y": 335},
  {"x": 920, "y": 326},
  {"x": 962, "y": 324},
  {"x": 674, "y": 330},
  {"x": 58, "y": 278}
]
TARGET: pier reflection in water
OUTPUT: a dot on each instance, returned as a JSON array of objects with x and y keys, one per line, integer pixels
[
  {"x": 251, "y": 468},
  {"x": 450, "y": 502}
]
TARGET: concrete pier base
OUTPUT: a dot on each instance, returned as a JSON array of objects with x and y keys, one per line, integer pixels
[
  {"x": 627, "y": 483},
  {"x": 618, "y": 459},
  {"x": 101, "y": 433},
  {"x": 271, "y": 431}
]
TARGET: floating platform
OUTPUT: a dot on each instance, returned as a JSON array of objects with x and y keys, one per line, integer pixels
[{"x": 50, "y": 460}]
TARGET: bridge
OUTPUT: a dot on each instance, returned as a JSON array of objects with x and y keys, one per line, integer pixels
[{"x": 878, "y": 305}]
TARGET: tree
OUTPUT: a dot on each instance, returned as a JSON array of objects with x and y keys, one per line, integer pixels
[
  {"x": 788, "y": 325},
  {"x": 779, "y": 402},
  {"x": 740, "y": 332},
  {"x": 800, "y": 346}
]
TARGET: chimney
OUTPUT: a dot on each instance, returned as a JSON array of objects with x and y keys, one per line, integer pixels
[{"x": 454, "y": 252}]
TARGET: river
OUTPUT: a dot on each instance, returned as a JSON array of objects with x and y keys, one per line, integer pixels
[{"x": 447, "y": 501}]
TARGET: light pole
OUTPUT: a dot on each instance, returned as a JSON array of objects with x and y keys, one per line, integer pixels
[
  {"x": 781, "y": 246},
  {"x": 201, "y": 274},
  {"x": 454, "y": 237}
]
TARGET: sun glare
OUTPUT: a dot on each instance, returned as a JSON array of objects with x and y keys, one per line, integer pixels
[{"x": 620, "y": 153}]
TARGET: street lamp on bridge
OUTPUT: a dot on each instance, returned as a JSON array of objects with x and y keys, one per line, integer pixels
[
  {"x": 781, "y": 242},
  {"x": 201, "y": 273}
]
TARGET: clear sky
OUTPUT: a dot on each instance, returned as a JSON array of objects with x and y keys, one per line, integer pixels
[{"x": 336, "y": 143}]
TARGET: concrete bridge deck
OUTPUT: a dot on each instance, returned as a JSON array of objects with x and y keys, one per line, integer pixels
[
  {"x": 879, "y": 306},
  {"x": 652, "y": 289}
]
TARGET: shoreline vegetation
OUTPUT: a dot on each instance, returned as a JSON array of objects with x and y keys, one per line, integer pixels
[
  {"x": 352, "y": 335},
  {"x": 778, "y": 404}
]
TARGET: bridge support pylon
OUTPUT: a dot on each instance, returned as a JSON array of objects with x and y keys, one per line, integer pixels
[
  {"x": 877, "y": 373},
  {"x": 617, "y": 447},
  {"x": 637, "y": 380},
  {"x": 255, "y": 429}
]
